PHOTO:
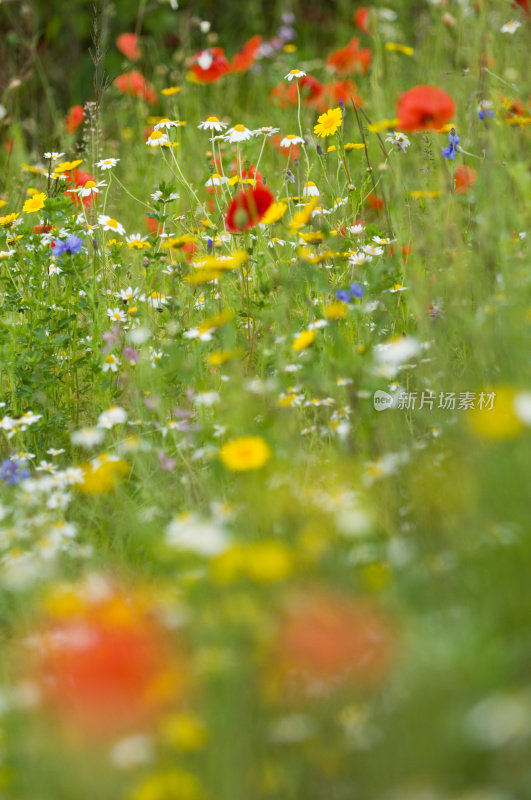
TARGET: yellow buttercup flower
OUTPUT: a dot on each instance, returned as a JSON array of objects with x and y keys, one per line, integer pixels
[
  {"x": 185, "y": 732},
  {"x": 329, "y": 122},
  {"x": 354, "y": 146},
  {"x": 218, "y": 319},
  {"x": 66, "y": 166},
  {"x": 304, "y": 339},
  {"x": 103, "y": 477},
  {"x": 274, "y": 213},
  {"x": 170, "y": 784},
  {"x": 171, "y": 90},
  {"x": 9, "y": 219},
  {"x": 497, "y": 419},
  {"x": 248, "y": 452},
  {"x": 34, "y": 203},
  {"x": 301, "y": 218},
  {"x": 264, "y": 562},
  {"x": 417, "y": 194},
  {"x": 384, "y": 125},
  {"x": 336, "y": 310},
  {"x": 399, "y": 48}
]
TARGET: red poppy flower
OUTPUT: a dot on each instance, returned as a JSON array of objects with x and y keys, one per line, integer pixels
[
  {"x": 103, "y": 667},
  {"x": 361, "y": 16},
  {"x": 310, "y": 89},
  {"x": 127, "y": 43},
  {"x": 375, "y": 202},
  {"x": 74, "y": 118},
  {"x": 247, "y": 208},
  {"x": 350, "y": 59},
  {"x": 210, "y": 65},
  {"x": 190, "y": 248},
  {"x": 325, "y": 636},
  {"x": 281, "y": 95},
  {"x": 246, "y": 57},
  {"x": 514, "y": 107},
  {"x": 464, "y": 178},
  {"x": 154, "y": 226},
  {"x": 135, "y": 84},
  {"x": 523, "y": 4},
  {"x": 252, "y": 174},
  {"x": 424, "y": 108},
  {"x": 342, "y": 90}
]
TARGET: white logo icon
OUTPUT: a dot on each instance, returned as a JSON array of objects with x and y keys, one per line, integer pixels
[{"x": 382, "y": 400}]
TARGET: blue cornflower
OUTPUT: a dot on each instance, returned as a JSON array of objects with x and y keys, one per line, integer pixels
[
  {"x": 72, "y": 244},
  {"x": 486, "y": 112},
  {"x": 453, "y": 147},
  {"x": 343, "y": 295},
  {"x": 12, "y": 472},
  {"x": 357, "y": 290}
]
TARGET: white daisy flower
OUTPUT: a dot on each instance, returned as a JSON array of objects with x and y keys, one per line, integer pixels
[
  {"x": 157, "y": 139},
  {"x": 87, "y": 437},
  {"x": 371, "y": 250},
  {"x": 116, "y": 315},
  {"x": 266, "y": 130},
  {"x": 216, "y": 180},
  {"x": 399, "y": 139},
  {"x": 290, "y": 140},
  {"x": 110, "y": 362},
  {"x": 212, "y": 124},
  {"x": 110, "y": 224},
  {"x": 310, "y": 190},
  {"x": 294, "y": 73},
  {"x": 115, "y": 415},
  {"x": 107, "y": 163},
  {"x": 239, "y": 133},
  {"x": 88, "y": 189},
  {"x": 166, "y": 124},
  {"x": 127, "y": 294},
  {"x": 510, "y": 27}
]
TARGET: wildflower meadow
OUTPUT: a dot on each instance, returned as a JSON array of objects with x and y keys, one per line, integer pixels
[{"x": 265, "y": 400}]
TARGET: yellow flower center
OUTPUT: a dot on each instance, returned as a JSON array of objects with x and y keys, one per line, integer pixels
[
  {"x": 112, "y": 223},
  {"x": 212, "y": 119},
  {"x": 239, "y": 127},
  {"x": 90, "y": 184},
  {"x": 156, "y": 135}
]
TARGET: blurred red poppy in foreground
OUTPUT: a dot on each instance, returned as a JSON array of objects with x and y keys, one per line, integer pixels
[
  {"x": 361, "y": 19},
  {"x": 464, "y": 178},
  {"x": 423, "y": 108},
  {"x": 105, "y": 666},
  {"x": 325, "y": 636},
  {"x": 247, "y": 208},
  {"x": 246, "y": 57},
  {"x": 127, "y": 43},
  {"x": 74, "y": 118},
  {"x": 209, "y": 65},
  {"x": 350, "y": 59},
  {"x": 135, "y": 84}
]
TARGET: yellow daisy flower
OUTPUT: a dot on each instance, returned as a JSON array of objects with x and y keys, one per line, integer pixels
[
  {"x": 248, "y": 452},
  {"x": 329, "y": 122}
]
